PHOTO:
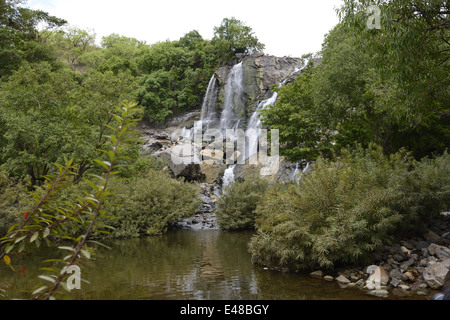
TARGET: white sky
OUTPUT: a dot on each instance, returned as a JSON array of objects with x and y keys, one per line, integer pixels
[{"x": 286, "y": 27}]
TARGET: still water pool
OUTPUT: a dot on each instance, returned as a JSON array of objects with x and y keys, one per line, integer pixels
[{"x": 180, "y": 265}]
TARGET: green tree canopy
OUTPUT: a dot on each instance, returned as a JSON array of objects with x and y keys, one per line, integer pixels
[
  {"x": 233, "y": 36},
  {"x": 19, "y": 36}
]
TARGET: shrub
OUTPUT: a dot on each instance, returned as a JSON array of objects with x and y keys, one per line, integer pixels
[
  {"x": 14, "y": 200},
  {"x": 236, "y": 206},
  {"x": 342, "y": 211},
  {"x": 148, "y": 204}
]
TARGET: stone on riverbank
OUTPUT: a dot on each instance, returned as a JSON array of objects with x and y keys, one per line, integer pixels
[{"x": 435, "y": 274}]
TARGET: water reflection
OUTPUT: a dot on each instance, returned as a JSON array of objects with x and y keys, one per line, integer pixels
[{"x": 181, "y": 265}]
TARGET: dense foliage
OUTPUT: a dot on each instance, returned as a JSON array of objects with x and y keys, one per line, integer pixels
[
  {"x": 387, "y": 86},
  {"x": 150, "y": 204},
  {"x": 343, "y": 210},
  {"x": 237, "y": 204}
]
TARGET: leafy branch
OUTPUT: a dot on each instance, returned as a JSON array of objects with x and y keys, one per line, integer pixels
[{"x": 46, "y": 218}]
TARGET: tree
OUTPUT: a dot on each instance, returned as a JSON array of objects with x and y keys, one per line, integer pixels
[
  {"x": 70, "y": 44},
  {"x": 51, "y": 219},
  {"x": 411, "y": 55},
  {"x": 233, "y": 36},
  {"x": 47, "y": 115},
  {"x": 19, "y": 38},
  {"x": 358, "y": 94}
]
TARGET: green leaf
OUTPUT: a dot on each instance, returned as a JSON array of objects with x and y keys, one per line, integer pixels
[
  {"x": 47, "y": 278},
  {"x": 66, "y": 248},
  {"x": 19, "y": 239},
  {"x": 46, "y": 233},
  {"x": 34, "y": 237},
  {"x": 86, "y": 253},
  {"x": 104, "y": 164}
]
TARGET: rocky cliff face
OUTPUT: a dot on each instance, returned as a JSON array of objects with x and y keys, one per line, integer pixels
[
  {"x": 252, "y": 84},
  {"x": 260, "y": 72}
]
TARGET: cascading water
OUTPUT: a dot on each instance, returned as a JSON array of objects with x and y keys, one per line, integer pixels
[
  {"x": 234, "y": 98},
  {"x": 253, "y": 129},
  {"x": 209, "y": 116},
  {"x": 231, "y": 116},
  {"x": 228, "y": 176},
  {"x": 297, "y": 174}
]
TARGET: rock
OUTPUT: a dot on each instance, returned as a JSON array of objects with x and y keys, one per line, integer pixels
[
  {"x": 184, "y": 160},
  {"x": 435, "y": 274},
  {"x": 398, "y": 257},
  {"x": 404, "y": 287},
  {"x": 395, "y": 282},
  {"x": 438, "y": 251},
  {"x": 213, "y": 171},
  {"x": 432, "y": 237},
  {"x": 343, "y": 280},
  {"x": 360, "y": 283},
  {"x": 317, "y": 274},
  {"x": 379, "y": 293},
  {"x": 407, "y": 264},
  {"x": 397, "y": 274},
  {"x": 421, "y": 245},
  {"x": 405, "y": 251},
  {"x": 328, "y": 278},
  {"x": 410, "y": 276}
]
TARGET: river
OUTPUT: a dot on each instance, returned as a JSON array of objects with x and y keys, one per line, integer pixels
[{"x": 180, "y": 265}]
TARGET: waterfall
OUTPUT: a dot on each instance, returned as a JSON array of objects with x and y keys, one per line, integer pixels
[
  {"x": 234, "y": 98},
  {"x": 297, "y": 175},
  {"x": 209, "y": 115},
  {"x": 253, "y": 128},
  {"x": 228, "y": 176}
]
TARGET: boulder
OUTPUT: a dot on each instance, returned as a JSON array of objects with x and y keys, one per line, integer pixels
[
  {"x": 438, "y": 251},
  {"x": 435, "y": 274},
  {"x": 184, "y": 160},
  {"x": 213, "y": 171}
]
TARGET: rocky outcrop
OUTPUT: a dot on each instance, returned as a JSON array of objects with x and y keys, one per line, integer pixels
[
  {"x": 261, "y": 72},
  {"x": 418, "y": 266}
]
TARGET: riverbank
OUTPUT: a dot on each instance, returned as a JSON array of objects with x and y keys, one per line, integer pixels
[{"x": 415, "y": 266}]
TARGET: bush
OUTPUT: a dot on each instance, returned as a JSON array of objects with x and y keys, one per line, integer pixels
[
  {"x": 14, "y": 200},
  {"x": 236, "y": 207},
  {"x": 148, "y": 204},
  {"x": 342, "y": 211}
]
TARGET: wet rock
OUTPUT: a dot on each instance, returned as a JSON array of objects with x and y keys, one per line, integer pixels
[
  {"x": 317, "y": 274},
  {"x": 328, "y": 278},
  {"x": 342, "y": 280},
  {"x": 379, "y": 293}
]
